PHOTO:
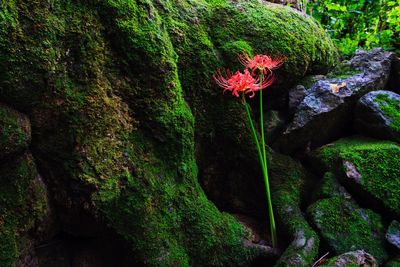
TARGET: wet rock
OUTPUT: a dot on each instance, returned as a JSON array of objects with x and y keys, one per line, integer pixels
[
  {"x": 352, "y": 259},
  {"x": 378, "y": 115},
  {"x": 15, "y": 132},
  {"x": 368, "y": 168},
  {"x": 345, "y": 226},
  {"x": 393, "y": 234},
  {"x": 326, "y": 111}
]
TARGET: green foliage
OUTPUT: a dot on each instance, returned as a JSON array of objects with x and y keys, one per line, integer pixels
[{"x": 360, "y": 23}]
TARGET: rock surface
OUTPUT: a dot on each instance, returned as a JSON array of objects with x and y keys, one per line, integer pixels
[
  {"x": 393, "y": 234},
  {"x": 326, "y": 111},
  {"x": 378, "y": 115},
  {"x": 290, "y": 183},
  {"x": 346, "y": 227},
  {"x": 369, "y": 167},
  {"x": 352, "y": 259}
]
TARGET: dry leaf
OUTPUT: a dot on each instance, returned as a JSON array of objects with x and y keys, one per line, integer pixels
[{"x": 336, "y": 87}]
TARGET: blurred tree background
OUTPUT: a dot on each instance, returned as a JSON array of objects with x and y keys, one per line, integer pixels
[{"x": 355, "y": 24}]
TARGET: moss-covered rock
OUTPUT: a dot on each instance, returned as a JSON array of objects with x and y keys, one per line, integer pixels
[
  {"x": 378, "y": 115},
  {"x": 393, "y": 234},
  {"x": 289, "y": 184},
  {"x": 369, "y": 167},
  {"x": 23, "y": 205},
  {"x": 114, "y": 89},
  {"x": 345, "y": 227},
  {"x": 352, "y": 259},
  {"x": 15, "y": 132},
  {"x": 328, "y": 187}
]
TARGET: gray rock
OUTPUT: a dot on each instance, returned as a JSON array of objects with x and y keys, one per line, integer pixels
[
  {"x": 378, "y": 115},
  {"x": 298, "y": 92},
  {"x": 326, "y": 111},
  {"x": 393, "y": 234},
  {"x": 353, "y": 258}
]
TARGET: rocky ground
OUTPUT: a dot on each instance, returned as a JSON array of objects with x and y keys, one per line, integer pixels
[{"x": 117, "y": 149}]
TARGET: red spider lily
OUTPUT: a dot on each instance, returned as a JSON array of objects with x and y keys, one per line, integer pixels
[
  {"x": 241, "y": 82},
  {"x": 263, "y": 63}
]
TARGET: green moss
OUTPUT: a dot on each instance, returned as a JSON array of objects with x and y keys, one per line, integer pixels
[
  {"x": 376, "y": 162},
  {"x": 393, "y": 263},
  {"x": 289, "y": 182},
  {"x": 342, "y": 71},
  {"x": 346, "y": 227},
  {"x": 104, "y": 85},
  {"x": 21, "y": 205},
  {"x": 15, "y": 132},
  {"x": 391, "y": 109}
]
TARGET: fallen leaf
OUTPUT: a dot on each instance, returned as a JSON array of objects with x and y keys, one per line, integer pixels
[{"x": 336, "y": 87}]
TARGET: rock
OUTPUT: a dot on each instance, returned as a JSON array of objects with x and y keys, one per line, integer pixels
[
  {"x": 393, "y": 234},
  {"x": 378, "y": 115},
  {"x": 352, "y": 259},
  {"x": 297, "y": 93},
  {"x": 329, "y": 187},
  {"x": 274, "y": 122},
  {"x": 15, "y": 132},
  {"x": 345, "y": 227},
  {"x": 369, "y": 168},
  {"x": 326, "y": 111},
  {"x": 289, "y": 185},
  {"x": 24, "y": 211},
  {"x": 117, "y": 90}
]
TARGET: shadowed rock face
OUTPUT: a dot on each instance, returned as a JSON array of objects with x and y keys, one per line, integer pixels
[
  {"x": 378, "y": 115},
  {"x": 325, "y": 112}
]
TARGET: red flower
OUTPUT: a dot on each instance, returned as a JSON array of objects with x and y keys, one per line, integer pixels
[
  {"x": 263, "y": 63},
  {"x": 241, "y": 82}
]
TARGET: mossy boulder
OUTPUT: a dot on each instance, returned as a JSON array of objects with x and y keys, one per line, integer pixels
[
  {"x": 289, "y": 185},
  {"x": 352, "y": 259},
  {"x": 15, "y": 132},
  {"x": 23, "y": 206},
  {"x": 115, "y": 91},
  {"x": 378, "y": 115},
  {"x": 328, "y": 187},
  {"x": 368, "y": 167},
  {"x": 346, "y": 227}
]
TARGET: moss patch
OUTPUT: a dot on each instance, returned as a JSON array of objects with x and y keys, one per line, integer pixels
[
  {"x": 15, "y": 132},
  {"x": 391, "y": 109},
  {"x": 375, "y": 161},
  {"x": 346, "y": 227},
  {"x": 21, "y": 205}
]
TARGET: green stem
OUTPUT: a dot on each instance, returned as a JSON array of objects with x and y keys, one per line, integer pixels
[
  {"x": 266, "y": 179},
  {"x": 264, "y": 171}
]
